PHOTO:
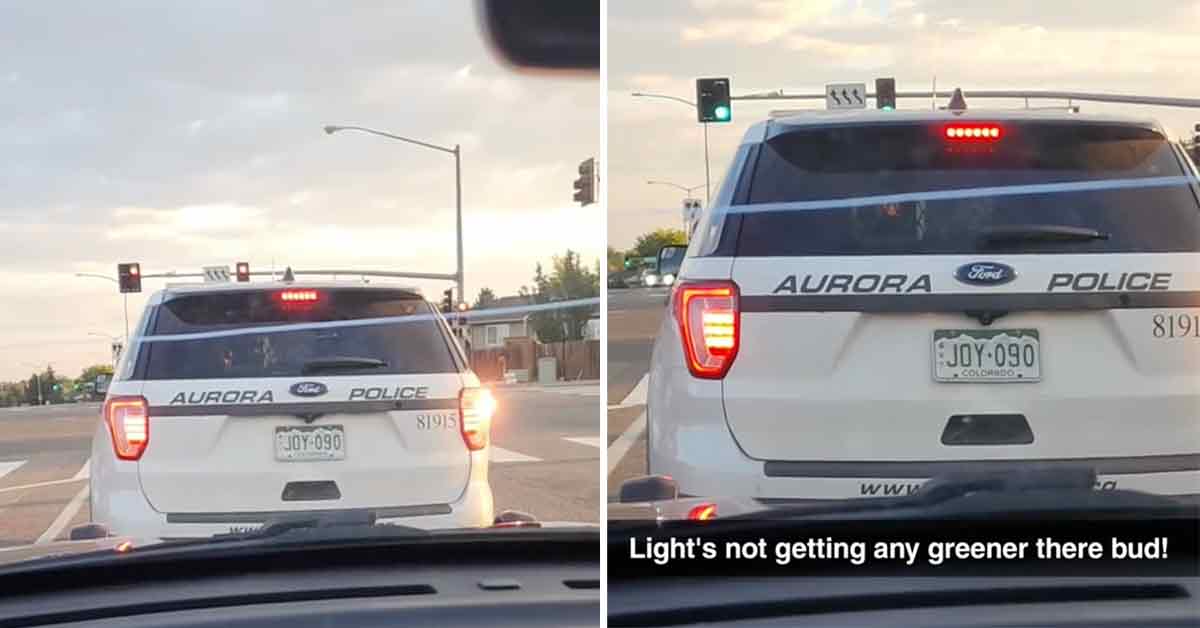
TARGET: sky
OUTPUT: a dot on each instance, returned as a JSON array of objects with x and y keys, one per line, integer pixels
[
  {"x": 180, "y": 135},
  {"x": 1144, "y": 47}
]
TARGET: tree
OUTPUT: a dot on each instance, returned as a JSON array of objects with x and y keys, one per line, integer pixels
[
  {"x": 648, "y": 244},
  {"x": 486, "y": 297},
  {"x": 89, "y": 374},
  {"x": 569, "y": 279},
  {"x": 616, "y": 260}
]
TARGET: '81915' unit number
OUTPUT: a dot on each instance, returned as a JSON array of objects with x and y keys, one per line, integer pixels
[{"x": 1176, "y": 326}]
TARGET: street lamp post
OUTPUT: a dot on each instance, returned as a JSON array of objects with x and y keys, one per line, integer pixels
[
  {"x": 457, "y": 152},
  {"x": 37, "y": 382},
  {"x": 707, "y": 182},
  {"x": 124, "y": 296},
  {"x": 117, "y": 345},
  {"x": 687, "y": 190}
]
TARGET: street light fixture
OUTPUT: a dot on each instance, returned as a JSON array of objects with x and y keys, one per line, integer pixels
[
  {"x": 124, "y": 296},
  {"x": 686, "y": 189},
  {"x": 118, "y": 345},
  {"x": 456, "y": 151},
  {"x": 37, "y": 381},
  {"x": 707, "y": 182}
]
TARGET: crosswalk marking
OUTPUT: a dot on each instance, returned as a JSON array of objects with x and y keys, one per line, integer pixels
[
  {"x": 590, "y": 441},
  {"x": 636, "y": 397},
  {"x": 7, "y": 467},
  {"x": 84, "y": 471},
  {"x": 500, "y": 454}
]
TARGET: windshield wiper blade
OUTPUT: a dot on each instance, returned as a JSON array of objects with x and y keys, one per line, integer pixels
[
  {"x": 318, "y": 525},
  {"x": 333, "y": 364},
  {"x": 1058, "y": 490},
  {"x": 1040, "y": 233}
]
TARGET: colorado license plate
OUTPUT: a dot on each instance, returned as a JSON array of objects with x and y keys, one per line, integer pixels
[
  {"x": 316, "y": 442},
  {"x": 993, "y": 355}
]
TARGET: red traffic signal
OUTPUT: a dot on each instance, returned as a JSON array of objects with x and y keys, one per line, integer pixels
[
  {"x": 129, "y": 277},
  {"x": 243, "y": 271}
]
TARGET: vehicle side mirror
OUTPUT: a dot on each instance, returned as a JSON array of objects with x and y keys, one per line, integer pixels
[
  {"x": 649, "y": 488},
  {"x": 560, "y": 35},
  {"x": 671, "y": 252},
  {"x": 88, "y": 531}
]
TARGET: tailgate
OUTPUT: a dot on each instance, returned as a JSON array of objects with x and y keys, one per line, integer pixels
[
  {"x": 229, "y": 445},
  {"x": 849, "y": 373}
]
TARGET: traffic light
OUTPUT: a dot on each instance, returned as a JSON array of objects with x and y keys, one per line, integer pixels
[
  {"x": 585, "y": 188},
  {"x": 448, "y": 301},
  {"x": 713, "y": 102},
  {"x": 129, "y": 277},
  {"x": 243, "y": 271},
  {"x": 885, "y": 93}
]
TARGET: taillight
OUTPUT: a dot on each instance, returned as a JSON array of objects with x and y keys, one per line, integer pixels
[
  {"x": 973, "y": 132},
  {"x": 703, "y": 512},
  {"x": 128, "y": 419},
  {"x": 707, "y": 313},
  {"x": 475, "y": 409}
]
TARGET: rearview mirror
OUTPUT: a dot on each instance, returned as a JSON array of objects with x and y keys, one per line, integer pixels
[{"x": 559, "y": 35}]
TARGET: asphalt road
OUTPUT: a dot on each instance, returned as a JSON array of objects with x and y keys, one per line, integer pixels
[
  {"x": 544, "y": 460},
  {"x": 634, "y": 317}
]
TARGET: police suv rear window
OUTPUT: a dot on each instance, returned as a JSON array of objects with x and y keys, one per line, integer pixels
[
  {"x": 405, "y": 347},
  {"x": 846, "y": 162}
]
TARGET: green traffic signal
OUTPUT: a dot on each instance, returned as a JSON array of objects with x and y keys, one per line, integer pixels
[{"x": 721, "y": 113}]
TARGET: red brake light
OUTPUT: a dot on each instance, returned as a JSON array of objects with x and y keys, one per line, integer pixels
[
  {"x": 475, "y": 409},
  {"x": 973, "y": 132},
  {"x": 708, "y": 318},
  {"x": 702, "y": 512},
  {"x": 128, "y": 419},
  {"x": 299, "y": 296}
]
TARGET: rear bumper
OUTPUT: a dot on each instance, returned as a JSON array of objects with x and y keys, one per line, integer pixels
[
  {"x": 127, "y": 513},
  {"x": 720, "y": 469}
]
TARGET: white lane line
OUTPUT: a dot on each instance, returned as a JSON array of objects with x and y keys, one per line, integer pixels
[
  {"x": 26, "y": 487},
  {"x": 64, "y": 517},
  {"x": 84, "y": 472},
  {"x": 637, "y": 396},
  {"x": 500, "y": 454},
  {"x": 625, "y": 441},
  {"x": 10, "y": 466},
  {"x": 590, "y": 441}
]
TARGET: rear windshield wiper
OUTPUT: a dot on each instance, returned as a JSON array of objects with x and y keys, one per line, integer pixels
[
  {"x": 1039, "y": 233},
  {"x": 333, "y": 364}
]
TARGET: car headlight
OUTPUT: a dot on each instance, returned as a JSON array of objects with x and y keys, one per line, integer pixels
[
  {"x": 651, "y": 280},
  {"x": 668, "y": 279}
]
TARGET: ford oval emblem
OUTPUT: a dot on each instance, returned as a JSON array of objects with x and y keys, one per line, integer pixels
[
  {"x": 985, "y": 273},
  {"x": 308, "y": 389}
]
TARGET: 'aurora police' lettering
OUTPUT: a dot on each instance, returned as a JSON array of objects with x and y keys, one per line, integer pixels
[
  {"x": 1109, "y": 282},
  {"x": 861, "y": 284},
  {"x": 222, "y": 396},
  {"x": 399, "y": 392}
]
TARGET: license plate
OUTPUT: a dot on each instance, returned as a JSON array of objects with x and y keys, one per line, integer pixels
[
  {"x": 317, "y": 442},
  {"x": 983, "y": 356}
]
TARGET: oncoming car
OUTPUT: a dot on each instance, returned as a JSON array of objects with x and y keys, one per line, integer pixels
[
  {"x": 877, "y": 298},
  {"x": 237, "y": 403}
]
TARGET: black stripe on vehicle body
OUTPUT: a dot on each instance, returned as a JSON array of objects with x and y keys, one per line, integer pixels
[
  {"x": 391, "y": 512},
  {"x": 328, "y": 407},
  {"x": 928, "y": 469},
  {"x": 1011, "y": 302}
]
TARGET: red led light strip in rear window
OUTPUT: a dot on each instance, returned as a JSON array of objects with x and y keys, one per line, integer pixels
[
  {"x": 298, "y": 296},
  {"x": 980, "y": 133}
]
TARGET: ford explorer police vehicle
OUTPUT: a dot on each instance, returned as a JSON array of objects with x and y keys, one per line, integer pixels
[
  {"x": 881, "y": 297},
  {"x": 240, "y": 402}
]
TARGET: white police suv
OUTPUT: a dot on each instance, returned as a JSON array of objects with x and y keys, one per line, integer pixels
[
  {"x": 881, "y": 297},
  {"x": 237, "y": 403}
]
